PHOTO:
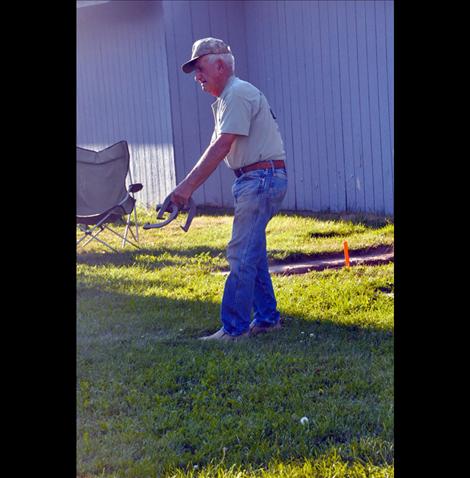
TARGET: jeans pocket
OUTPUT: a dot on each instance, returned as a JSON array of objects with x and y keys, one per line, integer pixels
[
  {"x": 280, "y": 173},
  {"x": 278, "y": 188},
  {"x": 247, "y": 186}
]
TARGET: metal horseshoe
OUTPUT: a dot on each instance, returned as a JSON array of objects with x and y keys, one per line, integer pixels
[{"x": 174, "y": 210}]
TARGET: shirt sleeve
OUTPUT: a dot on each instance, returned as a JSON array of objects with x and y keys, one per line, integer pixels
[{"x": 235, "y": 115}]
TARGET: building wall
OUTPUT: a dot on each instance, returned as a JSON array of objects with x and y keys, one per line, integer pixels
[
  {"x": 327, "y": 69},
  {"x": 325, "y": 66},
  {"x": 123, "y": 90}
]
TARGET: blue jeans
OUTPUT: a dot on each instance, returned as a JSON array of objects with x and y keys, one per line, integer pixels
[{"x": 258, "y": 196}]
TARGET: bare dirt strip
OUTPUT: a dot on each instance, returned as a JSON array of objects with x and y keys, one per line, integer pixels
[
  {"x": 302, "y": 263},
  {"x": 305, "y": 263}
]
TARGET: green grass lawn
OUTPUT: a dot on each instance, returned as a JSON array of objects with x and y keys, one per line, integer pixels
[{"x": 153, "y": 401}]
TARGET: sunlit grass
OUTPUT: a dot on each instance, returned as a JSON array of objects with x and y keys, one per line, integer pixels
[
  {"x": 154, "y": 401},
  {"x": 287, "y": 235}
]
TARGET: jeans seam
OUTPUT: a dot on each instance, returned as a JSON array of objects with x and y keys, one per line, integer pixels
[
  {"x": 243, "y": 260},
  {"x": 263, "y": 287}
]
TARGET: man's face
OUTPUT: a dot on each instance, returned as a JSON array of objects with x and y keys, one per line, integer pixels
[{"x": 209, "y": 75}]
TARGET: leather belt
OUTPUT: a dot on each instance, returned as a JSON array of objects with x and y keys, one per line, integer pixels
[{"x": 276, "y": 164}]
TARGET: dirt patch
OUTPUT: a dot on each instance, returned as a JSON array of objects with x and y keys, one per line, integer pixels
[{"x": 302, "y": 263}]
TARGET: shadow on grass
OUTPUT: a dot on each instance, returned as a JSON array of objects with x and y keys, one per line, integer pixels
[
  {"x": 201, "y": 317},
  {"x": 169, "y": 400},
  {"x": 131, "y": 257}
]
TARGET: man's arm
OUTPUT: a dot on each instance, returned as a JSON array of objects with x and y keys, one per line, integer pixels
[{"x": 206, "y": 165}]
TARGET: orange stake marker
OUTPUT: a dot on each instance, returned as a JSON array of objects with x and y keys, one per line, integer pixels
[{"x": 346, "y": 253}]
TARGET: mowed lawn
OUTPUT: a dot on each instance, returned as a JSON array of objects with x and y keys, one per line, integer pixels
[{"x": 153, "y": 401}]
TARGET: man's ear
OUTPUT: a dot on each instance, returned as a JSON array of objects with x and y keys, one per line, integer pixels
[{"x": 220, "y": 65}]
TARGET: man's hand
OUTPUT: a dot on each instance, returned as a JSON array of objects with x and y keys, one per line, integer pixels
[{"x": 181, "y": 194}]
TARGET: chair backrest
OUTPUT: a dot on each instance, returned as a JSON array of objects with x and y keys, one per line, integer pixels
[{"x": 101, "y": 178}]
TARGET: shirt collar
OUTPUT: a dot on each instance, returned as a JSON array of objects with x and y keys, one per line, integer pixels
[
  {"x": 228, "y": 85},
  {"x": 226, "y": 89}
]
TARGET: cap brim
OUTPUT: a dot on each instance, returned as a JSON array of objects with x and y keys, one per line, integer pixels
[{"x": 188, "y": 67}]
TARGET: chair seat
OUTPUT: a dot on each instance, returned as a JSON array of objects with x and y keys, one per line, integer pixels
[
  {"x": 102, "y": 195},
  {"x": 91, "y": 220}
]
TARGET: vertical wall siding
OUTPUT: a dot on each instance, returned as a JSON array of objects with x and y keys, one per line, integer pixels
[
  {"x": 123, "y": 90},
  {"x": 192, "y": 121},
  {"x": 327, "y": 69}
]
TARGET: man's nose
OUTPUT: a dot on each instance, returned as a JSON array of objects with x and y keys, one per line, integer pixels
[{"x": 197, "y": 77}]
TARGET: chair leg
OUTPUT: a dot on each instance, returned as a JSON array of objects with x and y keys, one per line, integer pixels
[
  {"x": 122, "y": 237},
  {"x": 136, "y": 225},
  {"x": 89, "y": 232},
  {"x": 91, "y": 237},
  {"x": 81, "y": 239},
  {"x": 105, "y": 244},
  {"x": 129, "y": 229},
  {"x": 126, "y": 230}
]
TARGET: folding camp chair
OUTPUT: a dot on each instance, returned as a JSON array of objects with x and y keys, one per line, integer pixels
[{"x": 102, "y": 195}]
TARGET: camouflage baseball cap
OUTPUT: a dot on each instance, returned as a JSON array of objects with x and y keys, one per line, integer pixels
[{"x": 202, "y": 47}]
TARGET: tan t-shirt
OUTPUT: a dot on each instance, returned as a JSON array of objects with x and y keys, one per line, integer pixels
[{"x": 243, "y": 110}]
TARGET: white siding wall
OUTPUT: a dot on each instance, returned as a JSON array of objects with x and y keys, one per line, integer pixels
[
  {"x": 123, "y": 90},
  {"x": 326, "y": 68}
]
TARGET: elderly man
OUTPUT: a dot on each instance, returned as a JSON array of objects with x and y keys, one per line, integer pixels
[{"x": 246, "y": 136}]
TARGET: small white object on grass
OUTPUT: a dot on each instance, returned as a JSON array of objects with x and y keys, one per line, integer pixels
[{"x": 304, "y": 420}]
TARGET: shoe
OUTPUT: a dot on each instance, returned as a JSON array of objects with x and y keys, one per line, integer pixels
[
  {"x": 223, "y": 336},
  {"x": 262, "y": 329}
]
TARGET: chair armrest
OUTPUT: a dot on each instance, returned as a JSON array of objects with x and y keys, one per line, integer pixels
[{"x": 134, "y": 188}]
